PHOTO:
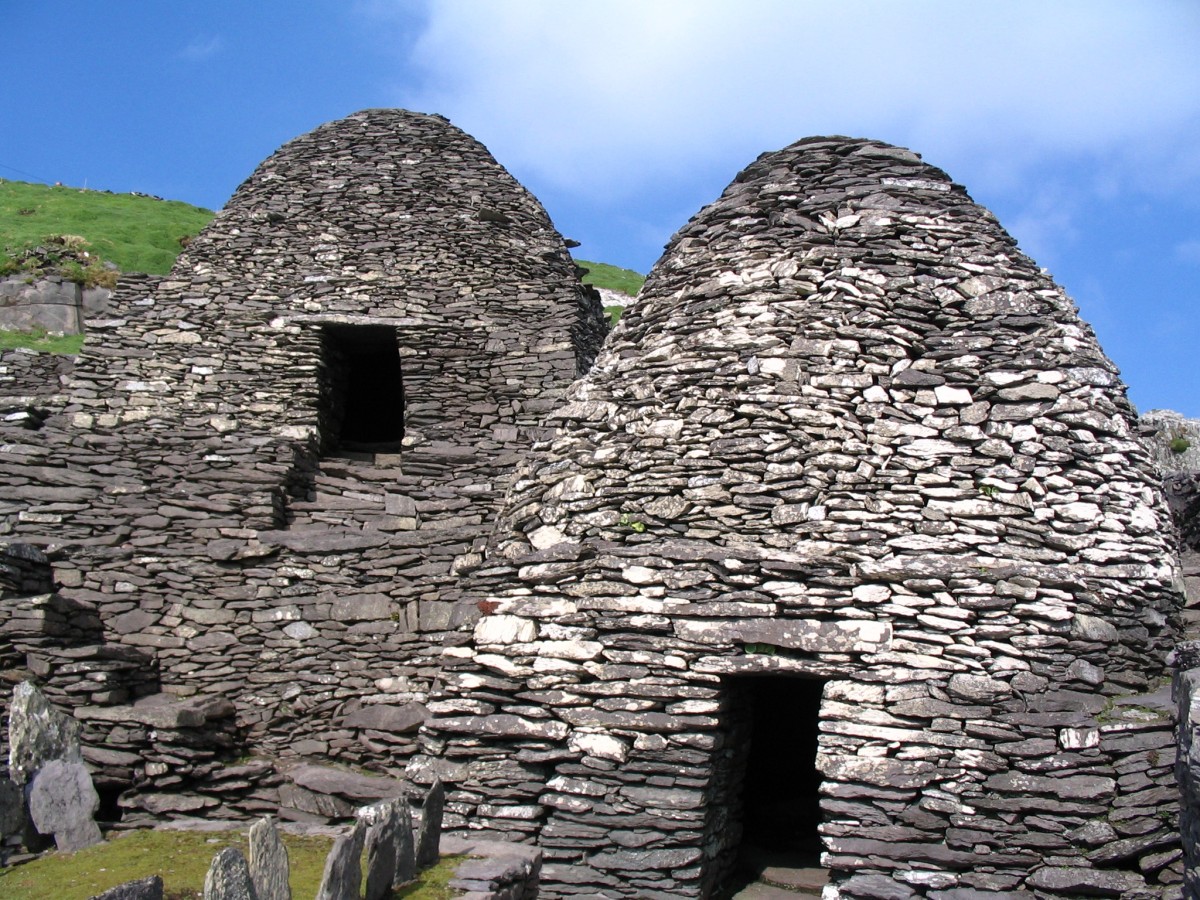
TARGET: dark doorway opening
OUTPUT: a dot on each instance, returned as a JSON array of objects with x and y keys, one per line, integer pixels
[
  {"x": 780, "y": 786},
  {"x": 364, "y": 388}
]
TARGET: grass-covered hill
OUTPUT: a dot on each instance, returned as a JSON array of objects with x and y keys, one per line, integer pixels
[
  {"x": 602, "y": 275},
  {"x": 136, "y": 233}
]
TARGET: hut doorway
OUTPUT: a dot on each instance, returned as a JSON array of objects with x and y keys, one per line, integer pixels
[
  {"x": 364, "y": 388},
  {"x": 778, "y": 792}
]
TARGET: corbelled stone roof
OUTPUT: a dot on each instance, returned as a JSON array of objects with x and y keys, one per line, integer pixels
[
  {"x": 207, "y": 511},
  {"x": 847, "y": 422}
]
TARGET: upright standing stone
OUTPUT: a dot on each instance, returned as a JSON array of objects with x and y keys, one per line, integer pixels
[
  {"x": 63, "y": 802},
  {"x": 382, "y": 846},
  {"x": 38, "y": 733},
  {"x": 343, "y": 867},
  {"x": 430, "y": 837},
  {"x": 269, "y": 867},
  {"x": 229, "y": 878},
  {"x": 406, "y": 851}
]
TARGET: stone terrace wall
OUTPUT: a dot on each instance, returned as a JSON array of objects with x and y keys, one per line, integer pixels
[
  {"x": 847, "y": 433},
  {"x": 194, "y": 485}
]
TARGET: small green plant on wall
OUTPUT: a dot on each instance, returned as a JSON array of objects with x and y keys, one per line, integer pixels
[
  {"x": 631, "y": 523},
  {"x": 1180, "y": 443}
]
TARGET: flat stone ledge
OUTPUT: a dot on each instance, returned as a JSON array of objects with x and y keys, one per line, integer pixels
[
  {"x": 162, "y": 711},
  {"x": 495, "y": 870}
]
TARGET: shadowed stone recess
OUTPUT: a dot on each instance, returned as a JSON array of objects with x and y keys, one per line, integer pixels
[{"x": 849, "y": 434}]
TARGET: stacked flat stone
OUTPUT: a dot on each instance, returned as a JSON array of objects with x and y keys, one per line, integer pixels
[
  {"x": 187, "y": 474},
  {"x": 848, "y": 432}
]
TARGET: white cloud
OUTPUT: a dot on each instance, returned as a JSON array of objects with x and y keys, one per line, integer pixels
[
  {"x": 201, "y": 48},
  {"x": 624, "y": 93}
]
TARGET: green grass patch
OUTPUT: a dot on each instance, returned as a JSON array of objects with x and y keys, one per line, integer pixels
[
  {"x": 182, "y": 859},
  {"x": 432, "y": 884},
  {"x": 68, "y": 344},
  {"x": 614, "y": 314},
  {"x": 138, "y": 234},
  {"x": 614, "y": 278}
]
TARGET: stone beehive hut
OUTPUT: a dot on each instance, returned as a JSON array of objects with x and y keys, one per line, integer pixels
[
  {"x": 269, "y": 470},
  {"x": 846, "y": 544}
]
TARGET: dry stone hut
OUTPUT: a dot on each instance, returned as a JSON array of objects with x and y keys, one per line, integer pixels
[
  {"x": 269, "y": 470},
  {"x": 846, "y": 544}
]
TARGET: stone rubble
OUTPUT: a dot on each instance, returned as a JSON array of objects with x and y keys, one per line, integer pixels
[{"x": 848, "y": 433}]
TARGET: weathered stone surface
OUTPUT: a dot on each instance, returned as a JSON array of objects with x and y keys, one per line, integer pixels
[
  {"x": 406, "y": 847},
  {"x": 269, "y": 869},
  {"x": 315, "y": 569},
  {"x": 876, "y": 887},
  {"x": 143, "y": 889},
  {"x": 383, "y": 847},
  {"x": 1078, "y": 880},
  {"x": 430, "y": 835},
  {"x": 228, "y": 877},
  {"x": 354, "y": 785},
  {"x": 63, "y": 802},
  {"x": 382, "y": 717},
  {"x": 849, "y": 441},
  {"x": 343, "y": 870},
  {"x": 38, "y": 733}
]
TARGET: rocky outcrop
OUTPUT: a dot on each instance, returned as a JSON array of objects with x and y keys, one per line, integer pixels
[{"x": 850, "y": 478}]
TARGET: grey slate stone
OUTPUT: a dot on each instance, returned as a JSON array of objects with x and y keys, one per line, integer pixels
[
  {"x": 1078, "y": 880},
  {"x": 143, "y": 889},
  {"x": 228, "y": 877},
  {"x": 430, "y": 835},
  {"x": 269, "y": 869},
  {"x": 382, "y": 846},
  {"x": 38, "y": 733},
  {"x": 406, "y": 851},
  {"x": 354, "y": 785},
  {"x": 343, "y": 867},
  {"x": 63, "y": 802},
  {"x": 383, "y": 717}
]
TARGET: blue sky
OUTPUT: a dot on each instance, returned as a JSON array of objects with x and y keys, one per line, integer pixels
[{"x": 1076, "y": 121}]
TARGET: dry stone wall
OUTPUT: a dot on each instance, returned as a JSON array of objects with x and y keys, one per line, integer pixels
[
  {"x": 197, "y": 482},
  {"x": 848, "y": 436},
  {"x": 52, "y": 304}
]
